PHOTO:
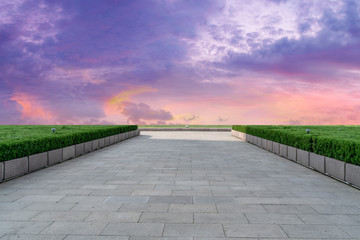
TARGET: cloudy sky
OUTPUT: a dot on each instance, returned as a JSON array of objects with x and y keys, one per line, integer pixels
[{"x": 180, "y": 61}]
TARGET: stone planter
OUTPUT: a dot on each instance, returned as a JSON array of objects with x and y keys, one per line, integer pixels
[
  {"x": 276, "y": 148},
  {"x": 79, "y": 149},
  {"x": 112, "y": 140},
  {"x": 55, "y": 156},
  {"x": 16, "y": 167},
  {"x": 101, "y": 142},
  {"x": 291, "y": 153},
  {"x": 1, "y": 171},
  {"x": 106, "y": 141},
  {"x": 116, "y": 138},
  {"x": 352, "y": 174},
  {"x": 335, "y": 168},
  {"x": 38, "y": 161},
  {"x": 68, "y": 152},
  {"x": 87, "y": 147},
  {"x": 263, "y": 143},
  {"x": 302, "y": 157},
  {"x": 95, "y": 144},
  {"x": 269, "y": 145},
  {"x": 284, "y": 151},
  {"x": 317, "y": 162}
]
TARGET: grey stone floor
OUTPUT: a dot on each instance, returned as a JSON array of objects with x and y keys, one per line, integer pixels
[{"x": 178, "y": 185}]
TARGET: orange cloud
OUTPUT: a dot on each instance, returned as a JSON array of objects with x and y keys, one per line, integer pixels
[
  {"x": 31, "y": 108},
  {"x": 114, "y": 105}
]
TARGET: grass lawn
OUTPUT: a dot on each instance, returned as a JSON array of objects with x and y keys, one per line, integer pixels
[{"x": 182, "y": 126}]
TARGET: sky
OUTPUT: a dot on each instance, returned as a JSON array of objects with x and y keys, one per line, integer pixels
[{"x": 217, "y": 62}]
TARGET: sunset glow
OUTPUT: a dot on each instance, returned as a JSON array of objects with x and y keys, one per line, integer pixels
[{"x": 180, "y": 62}]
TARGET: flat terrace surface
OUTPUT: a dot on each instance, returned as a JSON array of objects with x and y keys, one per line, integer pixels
[{"x": 178, "y": 185}]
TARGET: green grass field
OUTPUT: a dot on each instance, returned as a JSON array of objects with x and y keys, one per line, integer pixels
[{"x": 182, "y": 126}]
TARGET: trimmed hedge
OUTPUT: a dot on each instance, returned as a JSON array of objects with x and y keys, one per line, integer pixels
[
  {"x": 339, "y": 142},
  {"x": 12, "y": 149}
]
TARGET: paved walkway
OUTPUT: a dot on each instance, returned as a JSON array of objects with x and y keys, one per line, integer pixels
[{"x": 178, "y": 185}]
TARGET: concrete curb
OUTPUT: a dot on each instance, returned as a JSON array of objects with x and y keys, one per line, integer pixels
[
  {"x": 339, "y": 170},
  {"x": 187, "y": 129},
  {"x": 21, "y": 166}
]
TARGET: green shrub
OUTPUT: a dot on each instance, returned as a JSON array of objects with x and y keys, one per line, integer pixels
[
  {"x": 339, "y": 142},
  {"x": 21, "y": 141}
]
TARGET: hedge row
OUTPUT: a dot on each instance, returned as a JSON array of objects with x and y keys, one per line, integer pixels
[
  {"x": 344, "y": 149},
  {"x": 27, "y": 147}
]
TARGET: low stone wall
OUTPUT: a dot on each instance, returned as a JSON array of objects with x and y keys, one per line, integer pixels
[
  {"x": 345, "y": 172},
  {"x": 21, "y": 166},
  {"x": 185, "y": 129}
]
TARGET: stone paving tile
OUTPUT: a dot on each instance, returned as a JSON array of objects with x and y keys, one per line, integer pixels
[
  {"x": 172, "y": 199},
  {"x": 33, "y": 237},
  {"x": 17, "y": 215},
  {"x": 134, "y": 229},
  {"x": 95, "y": 207},
  {"x": 240, "y": 208},
  {"x": 328, "y": 219},
  {"x": 75, "y": 228},
  {"x": 314, "y": 231},
  {"x": 271, "y": 218},
  {"x": 113, "y": 217},
  {"x": 192, "y": 183},
  {"x": 167, "y": 217},
  {"x": 127, "y": 199},
  {"x": 77, "y": 237},
  {"x": 49, "y": 206},
  {"x": 22, "y": 227},
  {"x": 160, "y": 238},
  {"x": 253, "y": 230},
  {"x": 199, "y": 230},
  {"x": 220, "y": 218},
  {"x": 150, "y": 207},
  {"x": 192, "y": 208},
  {"x": 353, "y": 231},
  {"x": 64, "y": 216},
  {"x": 284, "y": 208}
]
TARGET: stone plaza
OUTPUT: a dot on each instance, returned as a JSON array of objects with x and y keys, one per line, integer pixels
[{"x": 178, "y": 185}]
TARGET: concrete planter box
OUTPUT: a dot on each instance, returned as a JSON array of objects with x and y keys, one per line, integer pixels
[
  {"x": 276, "y": 148},
  {"x": 88, "y": 147},
  {"x": 38, "y": 161},
  {"x": 335, "y": 168},
  {"x": 112, "y": 140},
  {"x": 291, "y": 153},
  {"x": 68, "y": 152},
  {"x": 352, "y": 174},
  {"x": 317, "y": 162},
  {"x": 269, "y": 145},
  {"x": 116, "y": 138},
  {"x": 1, "y": 171},
  {"x": 106, "y": 141},
  {"x": 250, "y": 138},
  {"x": 101, "y": 142},
  {"x": 263, "y": 143},
  {"x": 55, "y": 156},
  {"x": 95, "y": 144},
  {"x": 122, "y": 136},
  {"x": 284, "y": 151},
  {"x": 16, "y": 167},
  {"x": 302, "y": 157},
  {"x": 79, "y": 149},
  {"x": 259, "y": 142}
]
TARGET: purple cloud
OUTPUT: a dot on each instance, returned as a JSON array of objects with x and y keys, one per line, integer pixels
[{"x": 137, "y": 113}]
